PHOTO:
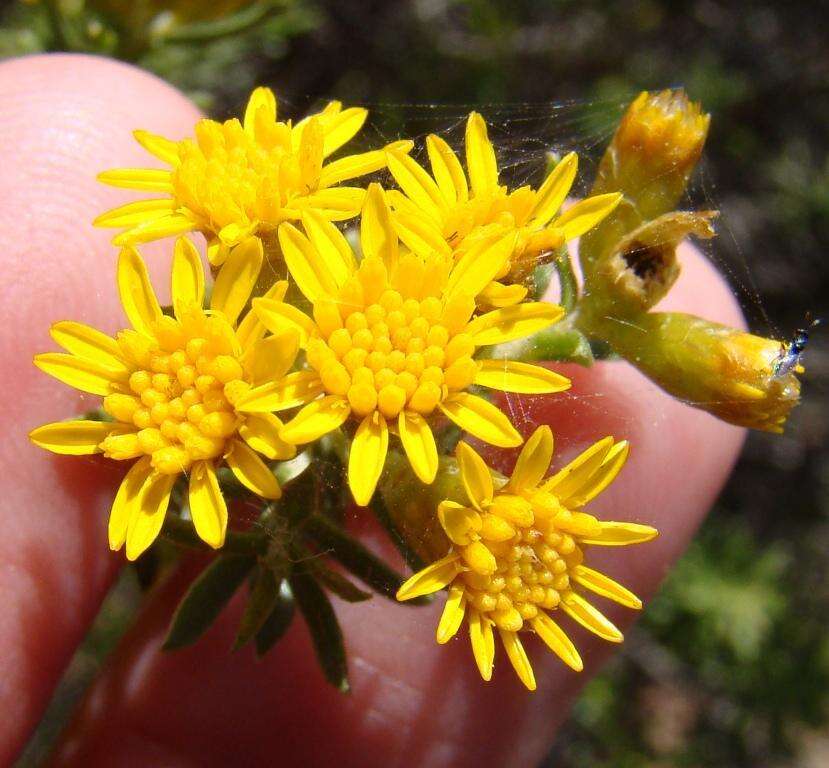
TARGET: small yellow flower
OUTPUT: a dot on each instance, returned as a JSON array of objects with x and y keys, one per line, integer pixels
[
  {"x": 391, "y": 343},
  {"x": 517, "y": 553},
  {"x": 238, "y": 180},
  {"x": 445, "y": 213},
  {"x": 170, "y": 384}
]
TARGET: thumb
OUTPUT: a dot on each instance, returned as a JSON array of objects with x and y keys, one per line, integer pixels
[{"x": 62, "y": 118}]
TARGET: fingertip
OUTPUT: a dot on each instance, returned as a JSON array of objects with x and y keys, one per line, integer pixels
[{"x": 64, "y": 118}]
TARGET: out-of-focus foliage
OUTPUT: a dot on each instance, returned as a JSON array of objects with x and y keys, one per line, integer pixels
[
  {"x": 736, "y": 642},
  {"x": 191, "y": 44}
]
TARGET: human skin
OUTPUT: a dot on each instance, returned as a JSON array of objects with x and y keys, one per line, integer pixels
[{"x": 413, "y": 703}]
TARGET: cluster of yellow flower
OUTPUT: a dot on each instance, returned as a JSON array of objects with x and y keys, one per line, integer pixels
[{"x": 368, "y": 330}]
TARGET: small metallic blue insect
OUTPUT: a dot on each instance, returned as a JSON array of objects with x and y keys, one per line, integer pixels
[{"x": 790, "y": 352}]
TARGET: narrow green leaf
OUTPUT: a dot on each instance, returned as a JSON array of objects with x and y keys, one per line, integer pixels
[
  {"x": 204, "y": 601},
  {"x": 324, "y": 627},
  {"x": 353, "y": 555},
  {"x": 340, "y": 585},
  {"x": 278, "y": 622},
  {"x": 263, "y": 596}
]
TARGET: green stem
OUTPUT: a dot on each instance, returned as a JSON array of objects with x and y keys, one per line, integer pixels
[
  {"x": 567, "y": 281},
  {"x": 200, "y": 31}
]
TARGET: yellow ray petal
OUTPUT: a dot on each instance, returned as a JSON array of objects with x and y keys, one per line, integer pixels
[
  {"x": 270, "y": 359},
  {"x": 452, "y": 616},
  {"x": 306, "y": 264},
  {"x": 480, "y": 156},
  {"x": 378, "y": 238},
  {"x": 251, "y": 471},
  {"x": 557, "y": 641},
  {"x": 533, "y": 461},
  {"x": 77, "y": 372},
  {"x": 447, "y": 171},
  {"x": 187, "y": 277},
  {"x": 162, "y": 148},
  {"x": 331, "y": 246},
  {"x": 416, "y": 184},
  {"x": 612, "y": 464},
  {"x": 278, "y": 317},
  {"x": 88, "y": 343},
  {"x": 297, "y": 388},
  {"x": 122, "y": 506},
  {"x": 310, "y": 152},
  {"x": 156, "y": 229},
  {"x": 605, "y": 586},
  {"x": 261, "y": 432},
  {"x": 343, "y": 127},
  {"x": 420, "y": 234},
  {"x": 74, "y": 438},
  {"x": 572, "y": 477},
  {"x": 138, "y": 178},
  {"x": 497, "y": 295},
  {"x": 132, "y": 214},
  {"x": 316, "y": 419},
  {"x": 480, "y": 265},
  {"x": 137, "y": 295},
  {"x": 261, "y": 99},
  {"x": 419, "y": 444},
  {"x": 523, "y": 378},
  {"x": 575, "y": 606},
  {"x": 483, "y": 643},
  {"x": 553, "y": 191},
  {"x": 251, "y": 329},
  {"x": 336, "y": 204},
  {"x": 147, "y": 513},
  {"x": 586, "y": 214},
  {"x": 475, "y": 475},
  {"x": 236, "y": 279},
  {"x": 459, "y": 522},
  {"x": 518, "y": 657},
  {"x": 430, "y": 579},
  {"x": 207, "y": 505},
  {"x": 367, "y": 457},
  {"x": 481, "y": 419},
  {"x": 352, "y": 166},
  {"x": 512, "y": 323},
  {"x": 617, "y": 534}
]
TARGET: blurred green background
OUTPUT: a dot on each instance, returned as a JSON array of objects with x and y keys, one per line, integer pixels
[{"x": 730, "y": 665}]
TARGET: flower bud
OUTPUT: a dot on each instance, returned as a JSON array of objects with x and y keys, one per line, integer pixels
[
  {"x": 729, "y": 373},
  {"x": 654, "y": 151}
]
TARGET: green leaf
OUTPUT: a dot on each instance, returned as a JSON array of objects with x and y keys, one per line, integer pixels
[
  {"x": 354, "y": 556},
  {"x": 263, "y": 596},
  {"x": 340, "y": 585},
  {"x": 204, "y": 601},
  {"x": 278, "y": 622},
  {"x": 324, "y": 627}
]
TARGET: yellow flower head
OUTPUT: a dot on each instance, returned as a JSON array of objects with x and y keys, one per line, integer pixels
[
  {"x": 447, "y": 214},
  {"x": 170, "y": 385},
  {"x": 238, "y": 180},
  {"x": 391, "y": 343},
  {"x": 517, "y": 553}
]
